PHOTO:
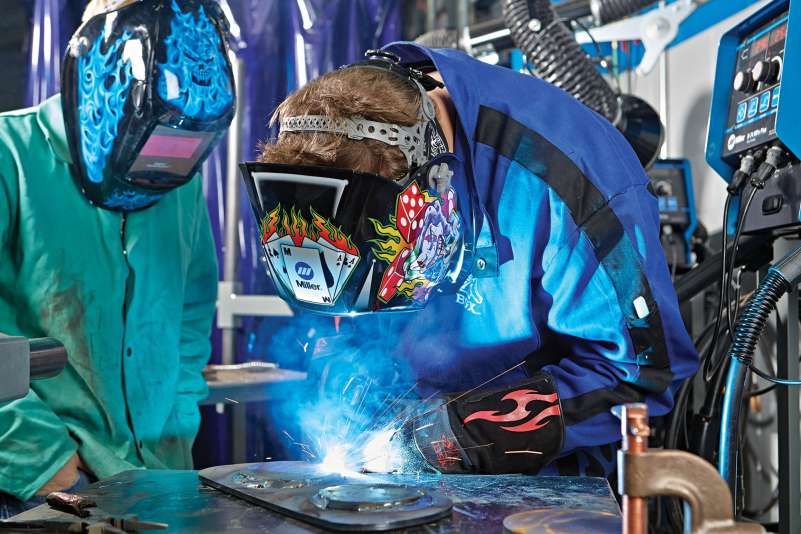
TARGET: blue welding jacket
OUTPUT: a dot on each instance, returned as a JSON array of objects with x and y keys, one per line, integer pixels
[{"x": 582, "y": 289}]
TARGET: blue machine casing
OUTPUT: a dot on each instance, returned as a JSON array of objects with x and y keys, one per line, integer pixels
[
  {"x": 788, "y": 123},
  {"x": 677, "y": 208}
]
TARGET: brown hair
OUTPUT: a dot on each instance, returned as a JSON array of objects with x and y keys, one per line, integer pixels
[{"x": 357, "y": 91}]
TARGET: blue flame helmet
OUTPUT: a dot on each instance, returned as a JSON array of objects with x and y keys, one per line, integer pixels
[{"x": 147, "y": 91}]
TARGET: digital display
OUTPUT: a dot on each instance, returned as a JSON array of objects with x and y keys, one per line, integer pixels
[
  {"x": 779, "y": 34},
  {"x": 170, "y": 146},
  {"x": 760, "y": 45}
]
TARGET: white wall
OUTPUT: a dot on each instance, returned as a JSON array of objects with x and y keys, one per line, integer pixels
[{"x": 691, "y": 73}]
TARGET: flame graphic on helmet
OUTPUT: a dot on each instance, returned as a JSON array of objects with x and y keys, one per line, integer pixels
[
  {"x": 292, "y": 223},
  {"x": 522, "y": 397}
]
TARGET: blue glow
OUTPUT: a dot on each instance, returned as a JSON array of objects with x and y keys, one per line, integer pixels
[
  {"x": 195, "y": 77},
  {"x": 104, "y": 80},
  {"x": 129, "y": 200}
]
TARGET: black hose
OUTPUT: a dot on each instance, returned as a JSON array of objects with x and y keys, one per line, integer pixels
[
  {"x": 747, "y": 331},
  {"x": 606, "y": 11},
  {"x": 754, "y": 317},
  {"x": 556, "y": 57}
]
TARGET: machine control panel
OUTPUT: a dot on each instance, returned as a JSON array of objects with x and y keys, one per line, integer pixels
[
  {"x": 756, "y": 88},
  {"x": 671, "y": 182}
]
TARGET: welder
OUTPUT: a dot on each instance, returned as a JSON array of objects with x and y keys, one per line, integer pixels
[
  {"x": 519, "y": 225},
  {"x": 105, "y": 245}
]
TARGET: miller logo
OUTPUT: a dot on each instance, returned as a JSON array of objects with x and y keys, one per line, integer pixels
[{"x": 304, "y": 270}]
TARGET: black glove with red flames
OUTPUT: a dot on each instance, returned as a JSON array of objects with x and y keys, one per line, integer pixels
[{"x": 513, "y": 429}]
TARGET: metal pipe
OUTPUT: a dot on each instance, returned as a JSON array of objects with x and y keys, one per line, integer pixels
[
  {"x": 635, "y": 441},
  {"x": 232, "y": 200},
  {"x": 663, "y": 97},
  {"x": 462, "y": 21},
  {"x": 431, "y": 15},
  {"x": 48, "y": 357}
]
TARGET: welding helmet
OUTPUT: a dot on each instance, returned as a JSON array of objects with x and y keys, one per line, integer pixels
[
  {"x": 343, "y": 242},
  {"x": 147, "y": 91}
]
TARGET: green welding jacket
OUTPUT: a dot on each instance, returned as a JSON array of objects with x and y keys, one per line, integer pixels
[{"x": 130, "y": 297}]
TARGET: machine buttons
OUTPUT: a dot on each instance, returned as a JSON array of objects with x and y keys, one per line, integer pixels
[
  {"x": 753, "y": 106},
  {"x": 772, "y": 204},
  {"x": 775, "y": 99},
  {"x": 764, "y": 101},
  {"x": 743, "y": 81},
  {"x": 766, "y": 71},
  {"x": 742, "y": 109}
]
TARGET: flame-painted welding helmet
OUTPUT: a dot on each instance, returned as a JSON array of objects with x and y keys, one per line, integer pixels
[
  {"x": 147, "y": 91},
  {"x": 343, "y": 242}
]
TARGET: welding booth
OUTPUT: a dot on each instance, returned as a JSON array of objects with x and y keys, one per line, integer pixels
[{"x": 303, "y": 410}]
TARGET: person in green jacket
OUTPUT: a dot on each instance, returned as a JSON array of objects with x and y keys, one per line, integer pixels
[{"x": 105, "y": 245}]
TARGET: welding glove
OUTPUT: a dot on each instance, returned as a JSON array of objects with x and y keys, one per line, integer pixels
[{"x": 513, "y": 429}]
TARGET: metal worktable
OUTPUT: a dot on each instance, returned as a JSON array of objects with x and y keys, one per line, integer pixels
[{"x": 480, "y": 504}]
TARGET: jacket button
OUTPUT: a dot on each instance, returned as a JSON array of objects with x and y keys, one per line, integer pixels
[{"x": 129, "y": 351}]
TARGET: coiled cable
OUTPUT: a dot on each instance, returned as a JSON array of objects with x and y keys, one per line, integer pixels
[
  {"x": 556, "y": 57},
  {"x": 606, "y": 11},
  {"x": 754, "y": 316}
]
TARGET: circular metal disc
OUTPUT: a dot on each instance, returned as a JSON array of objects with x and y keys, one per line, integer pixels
[
  {"x": 556, "y": 521},
  {"x": 363, "y": 497}
]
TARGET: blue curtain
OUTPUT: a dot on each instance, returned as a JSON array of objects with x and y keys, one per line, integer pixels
[{"x": 52, "y": 24}]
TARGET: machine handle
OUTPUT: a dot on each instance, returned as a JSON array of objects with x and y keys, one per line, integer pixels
[{"x": 48, "y": 357}]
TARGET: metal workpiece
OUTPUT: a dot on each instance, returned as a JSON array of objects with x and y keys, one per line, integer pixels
[
  {"x": 480, "y": 503},
  {"x": 348, "y": 502},
  {"x": 646, "y": 473},
  {"x": 249, "y": 382}
]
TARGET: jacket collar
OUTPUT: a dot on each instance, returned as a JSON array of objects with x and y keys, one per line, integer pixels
[{"x": 50, "y": 118}]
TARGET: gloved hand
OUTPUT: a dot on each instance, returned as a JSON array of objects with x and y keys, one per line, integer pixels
[{"x": 513, "y": 429}]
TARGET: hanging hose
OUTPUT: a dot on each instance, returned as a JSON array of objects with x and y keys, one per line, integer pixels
[
  {"x": 556, "y": 57},
  {"x": 606, "y": 11},
  {"x": 747, "y": 331}
]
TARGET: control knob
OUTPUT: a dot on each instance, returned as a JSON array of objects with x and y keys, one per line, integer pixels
[
  {"x": 766, "y": 71},
  {"x": 743, "y": 81}
]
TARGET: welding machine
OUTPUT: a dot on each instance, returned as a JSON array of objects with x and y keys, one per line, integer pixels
[
  {"x": 754, "y": 135},
  {"x": 671, "y": 181}
]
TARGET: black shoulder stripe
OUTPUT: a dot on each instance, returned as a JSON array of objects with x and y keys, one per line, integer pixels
[{"x": 613, "y": 249}]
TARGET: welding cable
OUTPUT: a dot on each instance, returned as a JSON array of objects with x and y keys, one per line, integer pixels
[
  {"x": 722, "y": 291},
  {"x": 757, "y": 179},
  {"x": 748, "y": 329},
  {"x": 731, "y": 315}
]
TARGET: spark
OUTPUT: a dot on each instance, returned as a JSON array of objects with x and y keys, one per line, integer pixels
[
  {"x": 379, "y": 454},
  {"x": 334, "y": 461},
  {"x": 523, "y": 452},
  {"x": 418, "y": 429},
  {"x": 397, "y": 400},
  {"x": 469, "y": 391},
  {"x": 232, "y": 400}
]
